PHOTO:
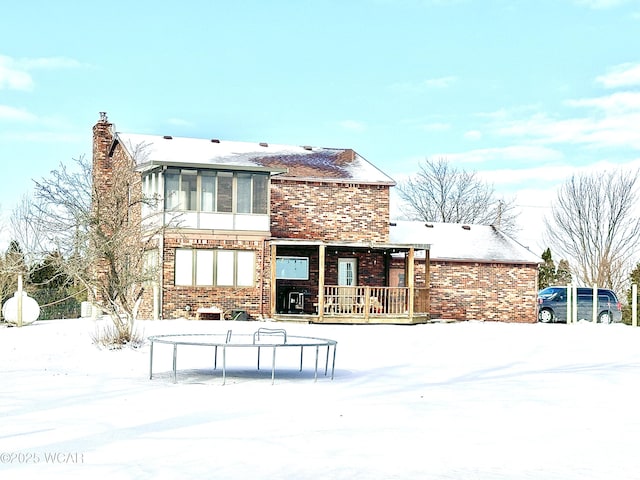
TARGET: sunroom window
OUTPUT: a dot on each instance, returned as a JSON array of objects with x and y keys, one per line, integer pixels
[{"x": 222, "y": 192}]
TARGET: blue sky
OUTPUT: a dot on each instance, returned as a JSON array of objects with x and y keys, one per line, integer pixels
[{"x": 524, "y": 92}]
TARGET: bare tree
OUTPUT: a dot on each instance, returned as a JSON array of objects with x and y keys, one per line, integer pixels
[
  {"x": 12, "y": 264},
  {"x": 442, "y": 193},
  {"x": 101, "y": 235},
  {"x": 594, "y": 224},
  {"x": 26, "y": 232}
]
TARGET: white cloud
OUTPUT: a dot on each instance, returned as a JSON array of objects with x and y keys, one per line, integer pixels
[
  {"x": 548, "y": 177},
  {"x": 14, "y": 73},
  {"x": 533, "y": 153},
  {"x": 473, "y": 135},
  {"x": 614, "y": 122},
  {"x": 624, "y": 75},
  {"x": 12, "y": 76},
  {"x": 15, "y": 114},
  {"x": 353, "y": 125},
  {"x": 179, "y": 122},
  {"x": 441, "y": 82},
  {"x": 601, "y": 4},
  {"x": 615, "y": 103}
]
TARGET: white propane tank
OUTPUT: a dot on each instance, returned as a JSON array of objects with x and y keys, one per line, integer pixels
[{"x": 30, "y": 309}]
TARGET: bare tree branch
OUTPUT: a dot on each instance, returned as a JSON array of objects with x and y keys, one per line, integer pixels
[
  {"x": 102, "y": 234},
  {"x": 593, "y": 224},
  {"x": 441, "y": 193}
]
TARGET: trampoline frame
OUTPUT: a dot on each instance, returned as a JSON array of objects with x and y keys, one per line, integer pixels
[{"x": 262, "y": 338}]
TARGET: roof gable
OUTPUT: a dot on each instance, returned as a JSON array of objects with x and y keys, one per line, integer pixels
[{"x": 458, "y": 242}]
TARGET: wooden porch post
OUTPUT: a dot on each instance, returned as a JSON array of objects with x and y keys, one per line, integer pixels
[
  {"x": 427, "y": 277},
  {"x": 411, "y": 279},
  {"x": 321, "y": 252},
  {"x": 272, "y": 292}
]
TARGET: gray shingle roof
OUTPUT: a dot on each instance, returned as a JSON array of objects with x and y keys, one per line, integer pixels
[
  {"x": 457, "y": 242},
  {"x": 295, "y": 161}
]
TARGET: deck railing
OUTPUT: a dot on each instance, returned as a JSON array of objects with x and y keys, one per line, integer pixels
[{"x": 367, "y": 301}]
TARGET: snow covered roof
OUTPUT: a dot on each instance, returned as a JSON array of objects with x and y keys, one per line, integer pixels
[
  {"x": 457, "y": 242},
  {"x": 300, "y": 162}
]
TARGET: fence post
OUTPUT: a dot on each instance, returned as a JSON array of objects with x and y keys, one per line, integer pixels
[
  {"x": 634, "y": 305},
  {"x": 574, "y": 309},
  {"x": 569, "y": 304},
  {"x": 19, "y": 319},
  {"x": 594, "y": 303}
]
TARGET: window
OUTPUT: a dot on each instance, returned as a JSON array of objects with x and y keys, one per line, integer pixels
[
  {"x": 225, "y": 193},
  {"x": 210, "y": 191},
  {"x": 292, "y": 268},
  {"x": 188, "y": 190},
  {"x": 246, "y": 269},
  {"x": 222, "y": 268},
  {"x": 204, "y": 267},
  {"x": 260, "y": 191},
  {"x": 207, "y": 192},
  {"x": 171, "y": 190},
  {"x": 244, "y": 193},
  {"x": 184, "y": 267},
  {"x": 150, "y": 265}
]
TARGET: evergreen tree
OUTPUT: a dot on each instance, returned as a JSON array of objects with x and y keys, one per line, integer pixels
[
  {"x": 549, "y": 275},
  {"x": 563, "y": 273},
  {"x": 547, "y": 271},
  {"x": 47, "y": 273}
]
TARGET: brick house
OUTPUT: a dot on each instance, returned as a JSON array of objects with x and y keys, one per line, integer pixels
[
  {"x": 476, "y": 272},
  {"x": 266, "y": 231}
]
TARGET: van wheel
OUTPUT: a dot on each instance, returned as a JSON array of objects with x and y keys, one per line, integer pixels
[
  {"x": 605, "y": 317},
  {"x": 545, "y": 315}
]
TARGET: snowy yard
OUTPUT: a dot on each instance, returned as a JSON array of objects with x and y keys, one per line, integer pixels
[{"x": 442, "y": 401}]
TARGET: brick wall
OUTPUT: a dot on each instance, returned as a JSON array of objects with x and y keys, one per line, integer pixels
[
  {"x": 115, "y": 186},
  {"x": 477, "y": 291},
  {"x": 254, "y": 300},
  {"x": 329, "y": 211}
]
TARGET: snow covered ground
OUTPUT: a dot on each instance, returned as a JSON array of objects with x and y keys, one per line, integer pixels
[{"x": 441, "y": 401}]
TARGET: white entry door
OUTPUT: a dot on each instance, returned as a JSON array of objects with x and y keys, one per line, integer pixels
[
  {"x": 347, "y": 279},
  {"x": 347, "y": 271}
]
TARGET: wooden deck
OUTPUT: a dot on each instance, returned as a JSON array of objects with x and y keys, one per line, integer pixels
[{"x": 367, "y": 305}]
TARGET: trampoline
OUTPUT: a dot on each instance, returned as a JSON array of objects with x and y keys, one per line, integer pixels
[{"x": 273, "y": 338}]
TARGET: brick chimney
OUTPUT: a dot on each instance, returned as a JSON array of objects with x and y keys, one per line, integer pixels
[{"x": 102, "y": 139}]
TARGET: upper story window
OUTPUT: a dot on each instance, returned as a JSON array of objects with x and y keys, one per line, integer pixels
[{"x": 210, "y": 191}]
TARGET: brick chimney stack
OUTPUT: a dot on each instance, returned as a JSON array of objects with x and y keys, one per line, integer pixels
[{"x": 102, "y": 139}]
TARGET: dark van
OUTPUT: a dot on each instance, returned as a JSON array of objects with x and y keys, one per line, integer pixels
[{"x": 552, "y": 305}]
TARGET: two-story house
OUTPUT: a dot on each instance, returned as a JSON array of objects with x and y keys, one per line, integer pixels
[{"x": 267, "y": 231}]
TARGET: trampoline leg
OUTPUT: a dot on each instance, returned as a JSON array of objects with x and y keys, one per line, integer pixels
[
  {"x": 326, "y": 362},
  {"x": 333, "y": 365},
  {"x": 175, "y": 360},
  {"x": 273, "y": 367},
  {"x": 315, "y": 375},
  {"x": 215, "y": 358},
  {"x": 151, "y": 361},
  {"x": 224, "y": 365},
  {"x": 258, "y": 358},
  {"x": 301, "y": 351}
]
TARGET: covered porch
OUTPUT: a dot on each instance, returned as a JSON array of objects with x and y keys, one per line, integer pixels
[{"x": 336, "y": 282}]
